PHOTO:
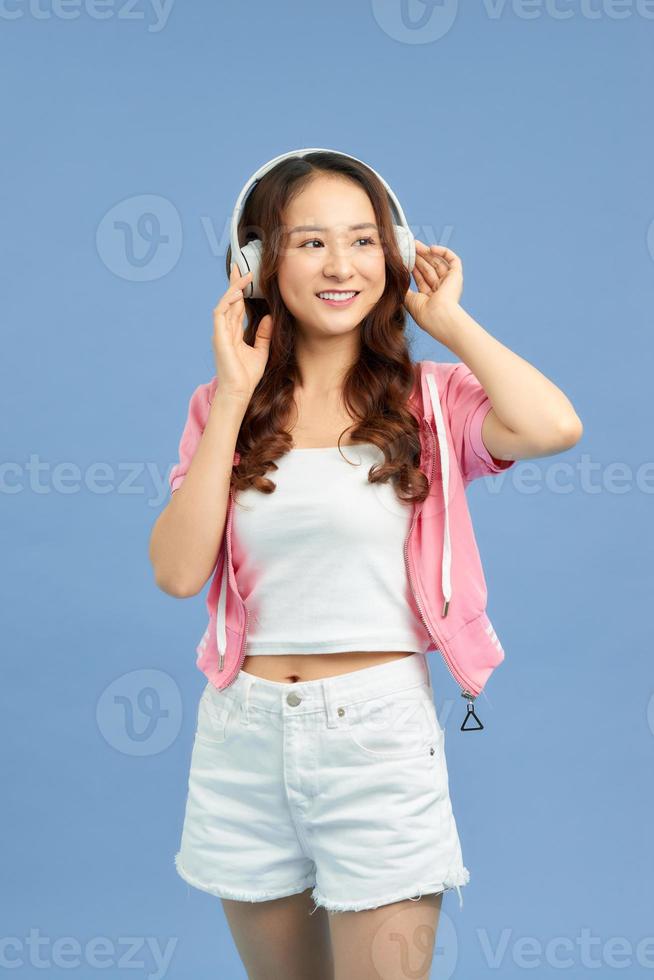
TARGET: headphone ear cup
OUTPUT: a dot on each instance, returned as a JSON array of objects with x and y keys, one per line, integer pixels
[
  {"x": 406, "y": 243},
  {"x": 251, "y": 262}
]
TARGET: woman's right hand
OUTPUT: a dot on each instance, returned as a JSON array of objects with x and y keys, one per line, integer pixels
[{"x": 239, "y": 367}]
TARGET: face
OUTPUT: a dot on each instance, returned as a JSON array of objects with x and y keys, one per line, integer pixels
[{"x": 330, "y": 257}]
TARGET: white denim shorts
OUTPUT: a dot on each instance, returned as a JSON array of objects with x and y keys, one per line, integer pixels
[{"x": 338, "y": 784}]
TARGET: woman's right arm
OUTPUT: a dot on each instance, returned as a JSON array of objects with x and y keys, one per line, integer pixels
[{"x": 187, "y": 535}]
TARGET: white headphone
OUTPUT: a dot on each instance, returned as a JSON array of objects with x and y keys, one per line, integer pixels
[{"x": 248, "y": 257}]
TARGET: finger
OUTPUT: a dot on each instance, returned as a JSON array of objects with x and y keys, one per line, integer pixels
[
  {"x": 228, "y": 299},
  {"x": 428, "y": 271},
  {"x": 438, "y": 265},
  {"x": 234, "y": 315},
  {"x": 227, "y": 322},
  {"x": 427, "y": 261},
  {"x": 236, "y": 303},
  {"x": 235, "y": 276},
  {"x": 434, "y": 258},
  {"x": 421, "y": 282},
  {"x": 445, "y": 253},
  {"x": 410, "y": 299},
  {"x": 264, "y": 333},
  {"x": 232, "y": 295},
  {"x": 423, "y": 251},
  {"x": 233, "y": 319}
]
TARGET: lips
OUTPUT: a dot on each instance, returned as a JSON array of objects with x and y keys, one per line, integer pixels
[
  {"x": 339, "y": 292},
  {"x": 339, "y": 303}
]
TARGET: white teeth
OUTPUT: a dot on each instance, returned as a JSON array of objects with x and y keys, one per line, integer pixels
[{"x": 337, "y": 296}]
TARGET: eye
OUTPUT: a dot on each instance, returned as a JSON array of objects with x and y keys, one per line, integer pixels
[{"x": 310, "y": 241}]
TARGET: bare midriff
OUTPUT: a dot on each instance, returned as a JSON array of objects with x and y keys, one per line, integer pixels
[{"x": 291, "y": 668}]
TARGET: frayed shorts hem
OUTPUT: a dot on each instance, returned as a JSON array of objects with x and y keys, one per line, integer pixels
[
  {"x": 240, "y": 895},
  {"x": 321, "y": 901}
]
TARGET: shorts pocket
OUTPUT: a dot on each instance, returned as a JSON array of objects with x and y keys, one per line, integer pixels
[
  {"x": 215, "y": 711},
  {"x": 398, "y": 725}
]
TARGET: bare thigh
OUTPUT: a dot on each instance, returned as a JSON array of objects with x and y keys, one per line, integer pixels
[
  {"x": 393, "y": 942},
  {"x": 280, "y": 940}
]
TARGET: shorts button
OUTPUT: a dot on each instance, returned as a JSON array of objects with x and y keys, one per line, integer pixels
[
  {"x": 293, "y": 699},
  {"x": 432, "y": 750},
  {"x": 341, "y": 711}
]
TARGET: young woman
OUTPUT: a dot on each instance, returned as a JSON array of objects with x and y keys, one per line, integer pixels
[{"x": 318, "y": 805}]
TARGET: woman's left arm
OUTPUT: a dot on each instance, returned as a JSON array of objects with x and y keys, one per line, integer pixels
[{"x": 530, "y": 415}]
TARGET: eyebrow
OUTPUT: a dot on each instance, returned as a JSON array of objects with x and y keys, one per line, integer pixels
[{"x": 363, "y": 224}]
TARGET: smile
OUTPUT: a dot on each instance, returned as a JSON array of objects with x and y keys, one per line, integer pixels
[{"x": 338, "y": 297}]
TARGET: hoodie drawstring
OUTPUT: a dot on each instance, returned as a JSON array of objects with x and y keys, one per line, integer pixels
[
  {"x": 221, "y": 616},
  {"x": 446, "y": 560}
]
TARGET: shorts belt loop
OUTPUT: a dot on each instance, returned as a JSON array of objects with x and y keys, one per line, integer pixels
[
  {"x": 329, "y": 710},
  {"x": 245, "y": 713}
]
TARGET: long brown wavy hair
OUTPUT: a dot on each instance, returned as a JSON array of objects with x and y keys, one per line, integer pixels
[{"x": 376, "y": 387}]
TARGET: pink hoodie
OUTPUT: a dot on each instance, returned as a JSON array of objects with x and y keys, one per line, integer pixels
[{"x": 443, "y": 564}]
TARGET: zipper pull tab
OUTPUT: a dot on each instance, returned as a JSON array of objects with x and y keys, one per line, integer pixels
[{"x": 470, "y": 714}]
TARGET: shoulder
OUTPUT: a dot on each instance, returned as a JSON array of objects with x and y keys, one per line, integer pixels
[
  {"x": 458, "y": 390},
  {"x": 445, "y": 373}
]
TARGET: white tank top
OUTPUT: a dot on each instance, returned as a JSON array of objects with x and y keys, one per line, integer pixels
[{"x": 320, "y": 563}]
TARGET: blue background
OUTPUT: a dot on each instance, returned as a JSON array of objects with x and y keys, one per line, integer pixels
[{"x": 523, "y": 142}]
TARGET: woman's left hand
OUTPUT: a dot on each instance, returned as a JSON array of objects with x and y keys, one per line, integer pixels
[{"x": 439, "y": 276}]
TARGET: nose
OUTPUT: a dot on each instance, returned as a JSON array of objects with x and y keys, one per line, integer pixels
[{"x": 338, "y": 262}]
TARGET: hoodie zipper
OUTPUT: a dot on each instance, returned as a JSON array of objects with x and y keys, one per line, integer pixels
[{"x": 465, "y": 693}]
